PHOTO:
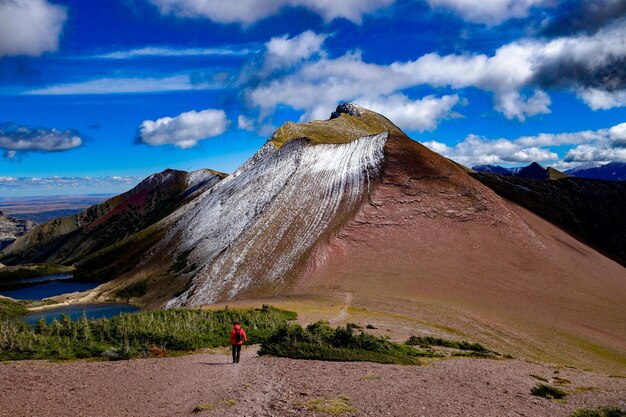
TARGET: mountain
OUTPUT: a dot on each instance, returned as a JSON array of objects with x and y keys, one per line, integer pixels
[
  {"x": 590, "y": 209},
  {"x": 614, "y": 171},
  {"x": 494, "y": 169},
  {"x": 71, "y": 239},
  {"x": 353, "y": 205},
  {"x": 11, "y": 229},
  {"x": 532, "y": 171},
  {"x": 582, "y": 167}
]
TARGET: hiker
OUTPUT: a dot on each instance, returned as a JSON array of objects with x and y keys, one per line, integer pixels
[{"x": 237, "y": 337}]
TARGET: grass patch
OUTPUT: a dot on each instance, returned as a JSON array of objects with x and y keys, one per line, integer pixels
[
  {"x": 561, "y": 381},
  {"x": 370, "y": 377},
  {"x": 319, "y": 341},
  {"x": 548, "y": 391},
  {"x": 210, "y": 406},
  {"x": 134, "y": 290},
  {"x": 600, "y": 412},
  {"x": 203, "y": 407},
  {"x": 136, "y": 334},
  {"x": 435, "y": 341},
  {"x": 333, "y": 406},
  {"x": 540, "y": 378},
  {"x": 370, "y": 326},
  {"x": 466, "y": 348},
  {"x": 10, "y": 309}
]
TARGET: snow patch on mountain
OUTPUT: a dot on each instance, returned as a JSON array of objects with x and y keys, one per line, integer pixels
[{"x": 255, "y": 225}]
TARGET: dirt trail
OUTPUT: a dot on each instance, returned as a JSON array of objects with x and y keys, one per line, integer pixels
[
  {"x": 347, "y": 302},
  {"x": 265, "y": 387}
]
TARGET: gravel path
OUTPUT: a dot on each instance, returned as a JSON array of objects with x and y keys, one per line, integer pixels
[{"x": 264, "y": 386}]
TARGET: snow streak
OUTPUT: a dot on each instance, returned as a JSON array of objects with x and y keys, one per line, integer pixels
[{"x": 254, "y": 227}]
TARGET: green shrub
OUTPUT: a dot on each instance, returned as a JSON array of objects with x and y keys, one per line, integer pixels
[
  {"x": 132, "y": 335},
  {"x": 600, "y": 412},
  {"x": 333, "y": 406},
  {"x": 10, "y": 309},
  {"x": 429, "y": 341},
  {"x": 319, "y": 341},
  {"x": 548, "y": 391},
  {"x": 134, "y": 290}
]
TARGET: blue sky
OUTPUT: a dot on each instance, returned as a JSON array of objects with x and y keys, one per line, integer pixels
[{"x": 96, "y": 95}]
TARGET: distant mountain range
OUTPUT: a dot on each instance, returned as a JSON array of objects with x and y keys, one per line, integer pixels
[{"x": 614, "y": 171}]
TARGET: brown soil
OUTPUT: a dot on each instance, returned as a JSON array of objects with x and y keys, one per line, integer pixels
[
  {"x": 265, "y": 386},
  {"x": 432, "y": 234}
]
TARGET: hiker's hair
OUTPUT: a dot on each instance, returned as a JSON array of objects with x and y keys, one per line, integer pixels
[{"x": 235, "y": 322}]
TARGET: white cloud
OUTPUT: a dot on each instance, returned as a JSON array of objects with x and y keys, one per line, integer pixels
[
  {"x": 422, "y": 114},
  {"x": 126, "y": 85},
  {"x": 244, "y": 123},
  {"x": 479, "y": 150},
  {"x": 603, "y": 100},
  {"x": 489, "y": 11},
  {"x": 185, "y": 130},
  {"x": 250, "y": 11},
  {"x": 517, "y": 74},
  {"x": 282, "y": 50},
  {"x": 151, "y": 51},
  {"x": 30, "y": 27},
  {"x": 595, "y": 153},
  {"x": 73, "y": 184},
  {"x": 603, "y": 145},
  {"x": 21, "y": 139}
]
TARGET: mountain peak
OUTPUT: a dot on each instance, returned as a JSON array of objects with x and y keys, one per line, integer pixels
[{"x": 346, "y": 124}]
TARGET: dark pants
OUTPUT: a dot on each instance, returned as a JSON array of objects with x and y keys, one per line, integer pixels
[{"x": 236, "y": 352}]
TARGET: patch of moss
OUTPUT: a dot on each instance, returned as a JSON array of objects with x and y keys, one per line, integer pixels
[
  {"x": 334, "y": 406},
  {"x": 600, "y": 412},
  {"x": 548, "y": 391},
  {"x": 203, "y": 407}
]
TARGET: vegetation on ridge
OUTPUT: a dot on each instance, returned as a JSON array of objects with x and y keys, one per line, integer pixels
[
  {"x": 319, "y": 341},
  {"x": 135, "y": 335},
  {"x": 600, "y": 412}
]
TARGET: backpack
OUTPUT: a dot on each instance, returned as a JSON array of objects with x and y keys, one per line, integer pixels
[{"x": 238, "y": 336}]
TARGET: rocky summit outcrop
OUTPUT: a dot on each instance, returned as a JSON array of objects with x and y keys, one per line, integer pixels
[{"x": 11, "y": 229}]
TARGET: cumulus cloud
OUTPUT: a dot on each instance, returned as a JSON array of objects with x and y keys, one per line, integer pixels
[
  {"x": 244, "y": 123},
  {"x": 603, "y": 145},
  {"x": 422, "y": 114},
  {"x": 282, "y": 50},
  {"x": 518, "y": 74},
  {"x": 251, "y": 11},
  {"x": 30, "y": 27},
  {"x": 183, "y": 131},
  {"x": 15, "y": 140},
  {"x": 490, "y": 12}
]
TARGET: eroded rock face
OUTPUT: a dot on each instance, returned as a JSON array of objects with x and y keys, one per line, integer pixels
[
  {"x": 11, "y": 229},
  {"x": 254, "y": 228}
]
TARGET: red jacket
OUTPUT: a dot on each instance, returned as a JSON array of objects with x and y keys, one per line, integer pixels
[{"x": 233, "y": 340}]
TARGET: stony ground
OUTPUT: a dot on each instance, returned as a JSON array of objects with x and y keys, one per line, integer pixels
[{"x": 265, "y": 386}]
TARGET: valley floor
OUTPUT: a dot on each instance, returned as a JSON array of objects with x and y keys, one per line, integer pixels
[{"x": 266, "y": 386}]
